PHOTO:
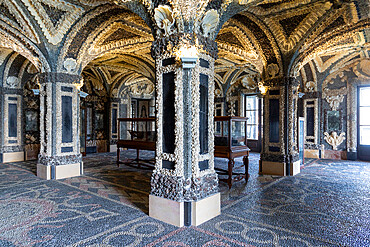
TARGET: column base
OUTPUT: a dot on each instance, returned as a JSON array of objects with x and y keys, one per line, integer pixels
[
  {"x": 12, "y": 157},
  {"x": 279, "y": 168},
  {"x": 334, "y": 154},
  {"x": 312, "y": 153},
  {"x": 60, "y": 171},
  {"x": 173, "y": 212},
  {"x": 351, "y": 155}
]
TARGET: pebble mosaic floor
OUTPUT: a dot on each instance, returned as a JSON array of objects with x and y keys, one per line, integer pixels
[{"x": 327, "y": 204}]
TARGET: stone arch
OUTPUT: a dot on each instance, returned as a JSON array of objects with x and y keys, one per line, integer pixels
[
  {"x": 22, "y": 45},
  {"x": 341, "y": 40},
  {"x": 108, "y": 23},
  {"x": 262, "y": 42},
  {"x": 19, "y": 69}
]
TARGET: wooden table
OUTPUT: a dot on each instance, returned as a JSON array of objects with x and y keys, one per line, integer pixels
[{"x": 146, "y": 141}]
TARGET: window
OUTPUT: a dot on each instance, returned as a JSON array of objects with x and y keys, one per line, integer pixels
[
  {"x": 364, "y": 113},
  {"x": 252, "y": 113},
  {"x": 218, "y": 112}
]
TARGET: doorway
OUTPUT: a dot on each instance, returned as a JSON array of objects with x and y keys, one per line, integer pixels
[
  {"x": 253, "y": 111},
  {"x": 363, "y": 123}
]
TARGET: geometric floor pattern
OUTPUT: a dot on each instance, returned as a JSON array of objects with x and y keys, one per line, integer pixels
[{"x": 327, "y": 204}]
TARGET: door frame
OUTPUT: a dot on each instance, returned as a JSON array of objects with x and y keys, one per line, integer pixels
[
  {"x": 359, "y": 150},
  {"x": 256, "y": 143}
]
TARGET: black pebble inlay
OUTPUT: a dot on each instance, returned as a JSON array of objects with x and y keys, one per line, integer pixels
[
  {"x": 203, "y": 114},
  {"x": 67, "y": 119},
  {"x": 310, "y": 131},
  {"x": 168, "y": 165},
  {"x": 12, "y": 120},
  {"x": 168, "y": 117},
  {"x": 274, "y": 120},
  {"x": 168, "y": 61}
]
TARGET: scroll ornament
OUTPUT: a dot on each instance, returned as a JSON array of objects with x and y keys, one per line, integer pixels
[
  {"x": 334, "y": 101},
  {"x": 164, "y": 18},
  {"x": 333, "y": 139},
  {"x": 210, "y": 22}
]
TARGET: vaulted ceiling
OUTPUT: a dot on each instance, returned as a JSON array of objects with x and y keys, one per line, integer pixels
[{"x": 266, "y": 38}]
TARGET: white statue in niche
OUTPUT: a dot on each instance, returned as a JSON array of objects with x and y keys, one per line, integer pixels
[
  {"x": 70, "y": 64},
  {"x": 310, "y": 86},
  {"x": 164, "y": 19},
  {"x": 333, "y": 139},
  {"x": 273, "y": 70},
  {"x": 12, "y": 82},
  {"x": 210, "y": 22}
]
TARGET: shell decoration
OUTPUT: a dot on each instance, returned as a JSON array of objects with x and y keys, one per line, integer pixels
[
  {"x": 210, "y": 22},
  {"x": 164, "y": 19}
]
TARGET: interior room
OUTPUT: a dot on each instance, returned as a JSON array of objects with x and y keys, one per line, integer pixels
[{"x": 184, "y": 123}]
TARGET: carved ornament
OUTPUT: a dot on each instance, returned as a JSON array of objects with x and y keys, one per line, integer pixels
[
  {"x": 209, "y": 23},
  {"x": 333, "y": 139},
  {"x": 164, "y": 19},
  {"x": 334, "y": 96}
]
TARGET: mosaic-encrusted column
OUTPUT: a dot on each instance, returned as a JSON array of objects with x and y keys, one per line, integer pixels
[
  {"x": 184, "y": 182},
  {"x": 113, "y": 123},
  {"x": 279, "y": 150},
  {"x": 11, "y": 140},
  {"x": 59, "y": 126}
]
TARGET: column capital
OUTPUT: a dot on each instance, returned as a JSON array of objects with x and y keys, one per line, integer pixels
[
  {"x": 281, "y": 81},
  {"x": 170, "y": 44},
  {"x": 54, "y": 77}
]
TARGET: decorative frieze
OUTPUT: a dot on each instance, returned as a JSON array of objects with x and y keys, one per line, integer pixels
[{"x": 167, "y": 45}]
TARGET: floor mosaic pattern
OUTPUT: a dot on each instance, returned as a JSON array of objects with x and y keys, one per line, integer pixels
[{"x": 327, "y": 204}]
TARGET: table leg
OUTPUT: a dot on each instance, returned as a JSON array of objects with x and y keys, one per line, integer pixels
[
  {"x": 138, "y": 157},
  {"x": 230, "y": 172},
  {"x": 246, "y": 167},
  {"x": 118, "y": 155}
]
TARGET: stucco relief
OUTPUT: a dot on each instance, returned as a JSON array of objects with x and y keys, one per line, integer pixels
[
  {"x": 165, "y": 20},
  {"x": 209, "y": 23},
  {"x": 12, "y": 82},
  {"x": 334, "y": 139}
]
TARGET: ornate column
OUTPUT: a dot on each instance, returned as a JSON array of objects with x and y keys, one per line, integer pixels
[
  {"x": 11, "y": 140},
  {"x": 59, "y": 126},
  {"x": 113, "y": 124},
  {"x": 279, "y": 154},
  {"x": 184, "y": 185}
]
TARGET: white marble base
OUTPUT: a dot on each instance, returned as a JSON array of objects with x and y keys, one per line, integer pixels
[
  {"x": 206, "y": 209},
  {"x": 62, "y": 171},
  {"x": 13, "y": 157},
  {"x": 312, "y": 153},
  {"x": 173, "y": 212},
  {"x": 295, "y": 168},
  {"x": 279, "y": 168}
]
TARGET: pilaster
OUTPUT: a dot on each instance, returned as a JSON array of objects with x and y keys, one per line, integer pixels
[
  {"x": 280, "y": 151},
  {"x": 59, "y": 126},
  {"x": 11, "y": 141},
  {"x": 113, "y": 124},
  {"x": 184, "y": 182}
]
